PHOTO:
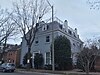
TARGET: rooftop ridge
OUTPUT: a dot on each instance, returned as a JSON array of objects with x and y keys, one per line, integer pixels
[{"x": 59, "y": 21}]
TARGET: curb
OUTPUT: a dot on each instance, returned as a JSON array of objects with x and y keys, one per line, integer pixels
[
  {"x": 39, "y": 71},
  {"x": 74, "y": 72}
]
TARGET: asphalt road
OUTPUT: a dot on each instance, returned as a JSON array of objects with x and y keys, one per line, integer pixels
[{"x": 26, "y": 73}]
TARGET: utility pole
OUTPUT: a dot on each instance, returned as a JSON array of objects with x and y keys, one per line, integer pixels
[{"x": 53, "y": 63}]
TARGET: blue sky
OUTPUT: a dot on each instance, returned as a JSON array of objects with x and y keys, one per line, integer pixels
[{"x": 78, "y": 14}]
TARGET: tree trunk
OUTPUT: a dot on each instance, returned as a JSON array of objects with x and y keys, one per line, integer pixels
[
  {"x": 87, "y": 68},
  {"x": 3, "y": 53},
  {"x": 29, "y": 58}
]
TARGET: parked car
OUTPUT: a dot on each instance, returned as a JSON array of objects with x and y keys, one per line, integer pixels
[{"x": 7, "y": 67}]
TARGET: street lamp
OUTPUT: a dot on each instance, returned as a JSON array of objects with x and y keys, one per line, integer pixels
[{"x": 53, "y": 66}]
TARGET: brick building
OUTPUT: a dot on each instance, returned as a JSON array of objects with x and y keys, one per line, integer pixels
[
  {"x": 13, "y": 55},
  {"x": 97, "y": 64}
]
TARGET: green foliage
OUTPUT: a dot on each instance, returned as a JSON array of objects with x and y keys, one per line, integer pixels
[
  {"x": 25, "y": 58},
  {"x": 79, "y": 64},
  {"x": 62, "y": 52},
  {"x": 38, "y": 61}
]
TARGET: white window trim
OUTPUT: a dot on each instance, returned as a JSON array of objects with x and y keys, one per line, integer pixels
[
  {"x": 34, "y": 52},
  {"x": 44, "y": 26},
  {"x": 45, "y": 58}
]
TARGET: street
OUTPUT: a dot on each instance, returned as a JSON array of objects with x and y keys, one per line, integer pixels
[{"x": 26, "y": 73}]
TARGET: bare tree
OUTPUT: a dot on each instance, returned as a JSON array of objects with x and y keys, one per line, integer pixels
[
  {"x": 88, "y": 55},
  {"x": 3, "y": 19},
  {"x": 27, "y": 14},
  {"x": 7, "y": 26},
  {"x": 94, "y": 4}
]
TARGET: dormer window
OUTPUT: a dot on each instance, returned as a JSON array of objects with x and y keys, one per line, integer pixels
[
  {"x": 60, "y": 26},
  {"x": 74, "y": 35},
  {"x": 45, "y": 27},
  {"x": 74, "y": 44},
  {"x": 69, "y": 31}
]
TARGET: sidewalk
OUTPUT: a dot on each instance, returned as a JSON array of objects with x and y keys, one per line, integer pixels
[{"x": 73, "y": 72}]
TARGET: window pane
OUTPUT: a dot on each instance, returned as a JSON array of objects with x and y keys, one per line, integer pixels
[
  {"x": 47, "y": 39},
  {"x": 48, "y": 58}
]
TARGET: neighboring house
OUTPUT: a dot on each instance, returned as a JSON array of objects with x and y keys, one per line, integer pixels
[
  {"x": 3, "y": 52},
  {"x": 43, "y": 40},
  {"x": 0, "y": 58},
  {"x": 11, "y": 54},
  {"x": 97, "y": 64}
]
